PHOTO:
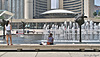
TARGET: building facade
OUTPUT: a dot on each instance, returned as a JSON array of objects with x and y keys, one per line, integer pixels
[
  {"x": 73, "y": 5},
  {"x": 29, "y": 9},
  {"x": 14, "y": 6},
  {"x": 40, "y": 6},
  {"x": 33, "y": 8},
  {"x": 78, "y": 6}
]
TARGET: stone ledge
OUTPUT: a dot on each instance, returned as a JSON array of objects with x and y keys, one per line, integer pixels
[{"x": 58, "y": 46}]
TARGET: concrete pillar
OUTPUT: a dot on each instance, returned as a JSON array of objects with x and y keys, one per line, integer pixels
[
  {"x": 60, "y": 4},
  {"x": 91, "y": 8},
  {"x": 28, "y": 9},
  {"x": 48, "y": 4},
  {"x": 88, "y": 8}
]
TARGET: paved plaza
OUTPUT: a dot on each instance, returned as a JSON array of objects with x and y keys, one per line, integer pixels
[{"x": 49, "y": 54}]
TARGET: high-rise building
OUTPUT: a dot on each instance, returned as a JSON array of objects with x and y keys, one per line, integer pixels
[
  {"x": 33, "y": 8},
  {"x": 78, "y": 6},
  {"x": 40, "y": 6},
  {"x": 3, "y": 4},
  {"x": 73, "y": 5},
  {"x": 30, "y": 9},
  {"x": 14, "y": 6}
]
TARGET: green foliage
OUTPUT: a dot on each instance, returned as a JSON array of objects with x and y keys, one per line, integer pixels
[
  {"x": 97, "y": 17},
  {"x": 99, "y": 14},
  {"x": 1, "y": 17},
  {"x": 95, "y": 14}
]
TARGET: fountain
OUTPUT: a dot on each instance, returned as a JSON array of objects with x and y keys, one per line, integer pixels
[{"x": 69, "y": 32}]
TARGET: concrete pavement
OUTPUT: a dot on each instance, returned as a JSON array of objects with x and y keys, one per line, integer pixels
[{"x": 49, "y": 54}]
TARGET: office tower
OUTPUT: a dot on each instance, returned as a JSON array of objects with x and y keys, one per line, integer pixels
[
  {"x": 40, "y": 6},
  {"x": 17, "y": 7},
  {"x": 30, "y": 9},
  {"x": 34, "y": 8},
  {"x": 3, "y": 4},
  {"x": 73, "y": 5},
  {"x": 14, "y": 6},
  {"x": 78, "y": 6}
]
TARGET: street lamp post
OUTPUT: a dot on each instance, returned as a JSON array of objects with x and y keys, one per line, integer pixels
[
  {"x": 80, "y": 20},
  {"x": 3, "y": 14},
  {"x": 23, "y": 26}
]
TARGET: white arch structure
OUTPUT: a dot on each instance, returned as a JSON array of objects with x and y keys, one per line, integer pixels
[
  {"x": 58, "y": 11},
  {"x": 6, "y": 12}
]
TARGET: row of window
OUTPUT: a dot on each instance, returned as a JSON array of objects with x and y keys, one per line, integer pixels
[
  {"x": 41, "y": 6},
  {"x": 68, "y": 4},
  {"x": 39, "y": 2},
  {"x": 16, "y": 7},
  {"x": 73, "y": 8},
  {"x": 69, "y": 1}
]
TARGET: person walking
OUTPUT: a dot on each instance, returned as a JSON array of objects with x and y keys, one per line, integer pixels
[{"x": 8, "y": 29}]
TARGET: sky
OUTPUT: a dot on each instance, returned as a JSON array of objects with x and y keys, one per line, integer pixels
[{"x": 97, "y": 2}]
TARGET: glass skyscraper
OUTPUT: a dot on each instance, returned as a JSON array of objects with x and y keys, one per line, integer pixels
[
  {"x": 28, "y": 9},
  {"x": 39, "y": 6},
  {"x": 73, "y": 5},
  {"x": 14, "y": 6}
]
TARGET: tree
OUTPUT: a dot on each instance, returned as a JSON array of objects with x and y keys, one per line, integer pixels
[
  {"x": 95, "y": 14},
  {"x": 1, "y": 17},
  {"x": 2, "y": 23},
  {"x": 99, "y": 14}
]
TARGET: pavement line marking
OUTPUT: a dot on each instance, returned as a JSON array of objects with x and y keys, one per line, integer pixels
[
  {"x": 36, "y": 54},
  {"x": 70, "y": 54}
]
